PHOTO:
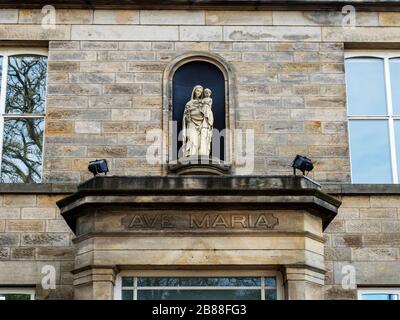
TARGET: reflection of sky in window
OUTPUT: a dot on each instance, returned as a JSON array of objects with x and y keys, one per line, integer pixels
[
  {"x": 365, "y": 82},
  {"x": 369, "y": 143},
  {"x": 26, "y": 84},
  {"x": 1, "y": 69},
  {"x": 22, "y": 150},
  {"x": 379, "y": 296},
  {"x": 395, "y": 82},
  {"x": 397, "y": 141}
]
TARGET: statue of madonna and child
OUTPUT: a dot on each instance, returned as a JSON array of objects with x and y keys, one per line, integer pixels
[{"x": 198, "y": 120}]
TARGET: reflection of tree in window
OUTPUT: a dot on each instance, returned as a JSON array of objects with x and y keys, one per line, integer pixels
[
  {"x": 22, "y": 151},
  {"x": 24, "y": 119},
  {"x": 26, "y": 84}
]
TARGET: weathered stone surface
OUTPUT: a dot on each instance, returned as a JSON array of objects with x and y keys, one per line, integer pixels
[
  {"x": 33, "y": 32},
  {"x": 116, "y": 17},
  {"x": 73, "y": 56},
  {"x": 192, "y": 33},
  {"x": 88, "y": 77},
  {"x": 391, "y": 226},
  {"x": 377, "y": 213},
  {"x": 122, "y": 88},
  {"x": 59, "y": 127},
  {"x": 172, "y": 17},
  {"x": 59, "y": 253},
  {"x": 25, "y": 226},
  {"x": 361, "y": 34},
  {"x": 347, "y": 240},
  {"x": 38, "y": 213},
  {"x": 124, "y": 33},
  {"x": 4, "y": 253},
  {"x": 29, "y": 272},
  {"x": 370, "y": 273},
  {"x": 391, "y": 19},
  {"x": 9, "y": 239},
  {"x": 373, "y": 254},
  {"x": 8, "y": 16},
  {"x": 23, "y": 253},
  {"x": 19, "y": 200},
  {"x": 378, "y": 201},
  {"x": 337, "y": 292},
  {"x": 45, "y": 239},
  {"x": 56, "y": 226},
  {"x": 87, "y": 127},
  {"x": 9, "y": 213},
  {"x": 69, "y": 16},
  {"x": 238, "y": 18},
  {"x": 362, "y": 226},
  {"x": 64, "y": 45},
  {"x": 107, "y": 151},
  {"x": 322, "y": 18},
  {"x": 244, "y": 33}
]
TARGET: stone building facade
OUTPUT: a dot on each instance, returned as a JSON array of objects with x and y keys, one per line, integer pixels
[{"x": 108, "y": 87}]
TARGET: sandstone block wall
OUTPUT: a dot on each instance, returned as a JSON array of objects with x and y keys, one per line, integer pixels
[
  {"x": 366, "y": 235},
  {"x": 105, "y": 82},
  {"x": 105, "y": 94},
  {"x": 32, "y": 235}
]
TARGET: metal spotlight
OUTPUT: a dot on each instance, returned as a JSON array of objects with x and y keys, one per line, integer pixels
[
  {"x": 303, "y": 164},
  {"x": 98, "y": 166}
]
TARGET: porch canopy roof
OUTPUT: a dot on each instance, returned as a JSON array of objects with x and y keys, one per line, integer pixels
[{"x": 251, "y": 192}]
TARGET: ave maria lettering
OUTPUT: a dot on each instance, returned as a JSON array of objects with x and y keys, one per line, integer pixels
[{"x": 150, "y": 221}]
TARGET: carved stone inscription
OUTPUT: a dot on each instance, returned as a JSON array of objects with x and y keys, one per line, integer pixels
[{"x": 197, "y": 221}]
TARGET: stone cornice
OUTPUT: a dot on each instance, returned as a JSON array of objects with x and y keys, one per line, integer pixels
[
  {"x": 202, "y": 192},
  {"x": 366, "y": 5},
  {"x": 69, "y": 188}
]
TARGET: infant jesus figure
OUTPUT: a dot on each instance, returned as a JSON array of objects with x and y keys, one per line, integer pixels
[{"x": 207, "y": 125}]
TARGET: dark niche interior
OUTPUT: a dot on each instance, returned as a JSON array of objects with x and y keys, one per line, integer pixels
[{"x": 185, "y": 78}]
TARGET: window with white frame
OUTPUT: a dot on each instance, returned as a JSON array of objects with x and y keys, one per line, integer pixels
[
  {"x": 198, "y": 287},
  {"x": 373, "y": 108},
  {"x": 379, "y": 294},
  {"x": 17, "y": 294},
  {"x": 23, "y": 74}
]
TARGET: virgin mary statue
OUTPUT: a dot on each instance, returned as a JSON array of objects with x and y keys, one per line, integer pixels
[{"x": 197, "y": 124}]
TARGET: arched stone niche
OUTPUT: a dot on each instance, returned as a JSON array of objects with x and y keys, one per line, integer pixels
[{"x": 180, "y": 76}]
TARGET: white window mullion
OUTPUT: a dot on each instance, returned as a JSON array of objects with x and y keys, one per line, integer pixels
[
  {"x": 393, "y": 156},
  {"x": 262, "y": 288},
  {"x": 3, "y": 95},
  {"x": 136, "y": 289}
]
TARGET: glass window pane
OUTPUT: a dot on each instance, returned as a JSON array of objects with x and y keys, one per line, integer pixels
[
  {"x": 26, "y": 84},
  {"x": 199, "y": 282},
  {"x": 365, "y": 86},
  {"x": 14, "y": 296},
  {"x": 22, "y": 150},
  {"x": 370, "y": 155},
  {"x": 127, "y": 281},
  {"x": 395, "y": 83},
  {"x": 379, "y": 296},
  {"x": 270, "y": 282},
  {"x": 397, "y": 141},
  {"x": 1, "y": 69},
  {"x": 199, "y": 294},
  {"x": 127, "y": 294},
  {"x": 270, "y": 294}
]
